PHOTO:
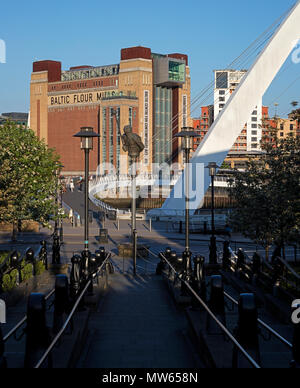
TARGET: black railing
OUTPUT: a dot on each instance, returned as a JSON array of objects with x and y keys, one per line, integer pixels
[
  {"x": 225, "y": 331},
  {"x": 104, "y": 268}
]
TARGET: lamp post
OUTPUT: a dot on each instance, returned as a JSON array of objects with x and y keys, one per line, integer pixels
[
  {"x": 187, "y": 134},
  {"x": 61, "y": 233},
  {"x": 213, "y": 243},
  {"x": 86, "y": 135},
  {"x": 132, "y": 143},
  {"x": 58, "y": 169}
]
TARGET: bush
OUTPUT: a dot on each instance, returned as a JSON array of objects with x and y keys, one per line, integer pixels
[
  {"x": 10, "y": 280},
  {"x": 26, "y": 271},
  {"x": 3, "y": 256},
  {"x": 39, "y": 268}
]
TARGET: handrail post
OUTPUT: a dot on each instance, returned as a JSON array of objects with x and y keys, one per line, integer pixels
[
  {"x": 61, "y": 302},
  {"x": 216, "y": 302},
  {"x": 3, "y": 362},
  {"x": 56, "y": 250},
  {"x": 247, "y": 329},
  {"x": 44, "y": 254},
  {"x": 37, "y": 333}
]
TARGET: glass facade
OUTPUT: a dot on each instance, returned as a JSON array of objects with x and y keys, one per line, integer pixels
[
  {"x": 111, "y": 136},
  {"x": 222, "y": 80},
  {"x": 176, "y": 71},
  {"x": 103, "y": 135},
  {"x": 162, "y": 144}
]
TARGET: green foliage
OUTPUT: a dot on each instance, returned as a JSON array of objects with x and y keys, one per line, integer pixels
[
  {"x": 267, "y": 195},
  {"x": 27, "y": 176},
  {"x": 10, "y": 280},
  {"x": 3, "y": 256},
  {"x": 26, "y": 270},
  {"x": 39, "y": 268}
]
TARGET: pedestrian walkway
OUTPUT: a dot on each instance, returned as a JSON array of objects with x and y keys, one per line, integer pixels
[{"x": 138, "y": 326}]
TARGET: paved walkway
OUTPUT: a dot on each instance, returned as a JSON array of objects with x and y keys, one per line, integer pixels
[{"x": 138, "y": 326}]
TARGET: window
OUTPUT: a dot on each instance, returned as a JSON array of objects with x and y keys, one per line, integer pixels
[
  {"x": 254, "y": 132},
  {"x": 253, "y": 146},
  {"x": 254, "y": 113},
  {"x": 254, "y": 139},
  {"x": 281, "y": 134},
  {"x": 222, "y": 92},
  {"x": 281, "y": 127},
  {"x": 221, "y": 80},
  {"x": 222, "y": 99},
  {"x": 254, "y": 119},
  {"x": 221, "y": 106},
  {"x": 292, "y": 127},
  {"x": 254, "y": 125}
]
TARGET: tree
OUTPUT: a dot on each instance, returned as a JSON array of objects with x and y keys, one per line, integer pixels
[
  {"x": 267, "y": 194},
  {"x": 27, "y": 177}
]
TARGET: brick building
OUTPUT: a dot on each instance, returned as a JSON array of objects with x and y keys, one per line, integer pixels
[{"x": 149, "y": 91}]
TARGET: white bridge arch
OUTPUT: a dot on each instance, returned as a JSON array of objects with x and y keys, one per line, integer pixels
[{"x": 227, "y": 127}]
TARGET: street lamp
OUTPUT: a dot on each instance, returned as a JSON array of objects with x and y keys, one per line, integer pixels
[
  {"x": 61, "y": 233},
  {"x": 212, "y": 166},
  {"x": 187, "y": 134},
  {"x": 58, "y": 169},
  {"x": 86, "y": 135}
]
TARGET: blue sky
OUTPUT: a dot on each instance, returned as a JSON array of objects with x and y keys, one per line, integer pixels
[{"x": 74, "y": 32}]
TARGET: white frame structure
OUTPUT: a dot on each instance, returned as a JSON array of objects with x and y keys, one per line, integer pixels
[{"x": 227, "y": 127}]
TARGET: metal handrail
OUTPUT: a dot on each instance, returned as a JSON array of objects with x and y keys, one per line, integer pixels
[
  {"x": 262, "y": 323},
  {"x": 223, "y": 328},
  {"x": 286, "y": 264},
  {"x": 21, "y": 323},
  {"x": 66, "y": 324}
]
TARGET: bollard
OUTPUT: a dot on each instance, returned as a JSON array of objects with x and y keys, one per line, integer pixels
[
  {"x": 226, "y": 255},
  {"x": 75, "y": 277},
  {"x": 173, "y": 261},
  {"x": 256, "y": 264},
  {"x": 85, "y": 258},
  {"x": 180, "y": 227},
  {"x": 256, "y": 267},
  {"x": 240, "y": 262},
  {"x": 198, "y": 280},
  {"x": 56, "y": 250},
  {"x": 31, "y": 259},
  {"x": 43, "y": 254},
  {"x": 161, "y": 265},
  {"x": 100, "y": 256},
  {"x": 167, "y": 253},
  {"x": 277, "y": 273},
  {"x": 187, "y": 262},
  {"x": 3, "y": 362},
  {"x": 14, "y": 263},
  {"x": 217, "y": 302},
  {"x": 61, "y": 302},
  {"x": 247, "y": 330},
  {"x": 37, "y": 333},
  {"x": 296, "y": 336}
]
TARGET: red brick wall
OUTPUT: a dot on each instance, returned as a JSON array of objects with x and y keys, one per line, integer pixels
[
  {"x": 184, "y": 57},
  {"x": 53, "y": 68},
  {"x": 135, "y": 52},
  {"x": 62, "y": 126}
]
